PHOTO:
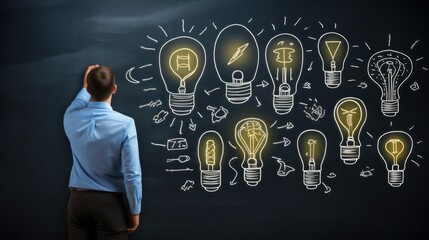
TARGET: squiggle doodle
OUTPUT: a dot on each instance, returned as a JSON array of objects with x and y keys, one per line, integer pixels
[
  {"x": 187, "y": 185},
  {"x": 233, "y": 181},
  {"x": 363, "y": 85},
  {"x": 160, "y": 117},
  {"x": 314, "y": 113},
  {"x": 414, "y": 86},
  {"x": 307, "y": 85},
  {"x": 152, "y": 104},
  {"x": 284, "y": 169},
  {"x": 218, "y": 113}
]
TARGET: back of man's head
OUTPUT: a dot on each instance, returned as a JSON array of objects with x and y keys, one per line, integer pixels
[{"x": 101, "y": 82}]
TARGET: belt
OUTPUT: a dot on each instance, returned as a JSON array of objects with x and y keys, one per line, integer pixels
[
  {"x": 82, "y": 190},
  {"x": 90, "y": 190}
]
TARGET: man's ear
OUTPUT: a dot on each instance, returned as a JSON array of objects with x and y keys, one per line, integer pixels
[{"x": 115, "y": 87}]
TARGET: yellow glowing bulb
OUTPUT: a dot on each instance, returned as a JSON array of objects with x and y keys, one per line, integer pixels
[
  {"x": 311, "y": 145},
  {"x": 350, "y": 116},
  {"x": 395, "y": 147},
  {"x": 183, "y": 62},
  {"x": 210, "y": 155},
  {"x": 251, "y": 135}
]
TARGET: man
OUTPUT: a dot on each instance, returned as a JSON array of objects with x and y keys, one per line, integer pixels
[{"x": 105, "y": 179}]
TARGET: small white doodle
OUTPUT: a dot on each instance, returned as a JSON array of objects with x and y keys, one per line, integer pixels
[
  {"x": 414, "y": 86},
  {"x": 181, "y": 159},
  {"x": 217, "y": 113},
  {"x": 332, "y": 175},
  {"x": 192, "y": 125},
  {"x": 177, "y": 144},
  {"x": 363, "y": 85},
  {"x": 152, "y": 104},
  {"x": 187, "y": 185},
  {"x": 179, "y": 170},
  {"x": 286, "y": 142},
  {"x": 307, "y": 85},
  {"x": 210, "y": 91},
  {"x": 160, "y": 117},
  {"x": 284, "y": 169},
  {"x": 315, "y": 112},
  {"x": 327, "y": 188},
  {"x": 263, "y": 84},
  {"x": 367, "y": 172}
]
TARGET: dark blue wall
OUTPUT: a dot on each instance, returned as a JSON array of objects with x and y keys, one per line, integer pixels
[{"x": 46, "y": 46}]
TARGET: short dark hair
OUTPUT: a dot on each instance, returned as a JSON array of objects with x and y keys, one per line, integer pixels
[{"x": 101, "y": 81}]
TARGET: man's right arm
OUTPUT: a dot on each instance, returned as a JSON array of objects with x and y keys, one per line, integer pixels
[{"x": 82, "y": 99}]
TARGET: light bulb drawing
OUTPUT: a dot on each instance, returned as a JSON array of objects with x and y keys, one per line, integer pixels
[
  {"x": 236, "y": 59},
  {"x": 284, "y": 59},
  {"x": 311, "y": 146},
  {"x": 181, "y": 63},
  {"x": 333, "y": 49},
  {"x": 389, "y": 69},
  {"x": 251, "y": 135},
  {"x": 210, "y": 156},
  {"x": 350, "y": 116},
  {"x": 395, "y": 147}
]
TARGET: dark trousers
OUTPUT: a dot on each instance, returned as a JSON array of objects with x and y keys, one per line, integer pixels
[{"x": 97, "y": 216}]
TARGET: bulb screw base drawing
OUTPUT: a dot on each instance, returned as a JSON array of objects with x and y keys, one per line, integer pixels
[
  {"x": 332, "y": 79},
  {"x": 349, "y": 154},
  {"x": 182, "y": 103},
  {"x": 282, "y": 103},
  {"x": 389, "y": 107},
  {"x": 210, "y": 180},
  {"x": 395, "y": 177},
  {"x": 252, "y": 176},
  {"x": 312, "y": 179},
  {"x": 238, "y": 93}
]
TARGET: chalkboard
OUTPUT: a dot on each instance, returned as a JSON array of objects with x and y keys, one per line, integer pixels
[{"x": 256, "y": 119}]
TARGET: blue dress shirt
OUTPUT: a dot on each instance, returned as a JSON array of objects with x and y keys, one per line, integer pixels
[{"x": 104, "y": 148}]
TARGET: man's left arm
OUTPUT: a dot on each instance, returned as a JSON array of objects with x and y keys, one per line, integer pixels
[{"x": 131, "y": 169}]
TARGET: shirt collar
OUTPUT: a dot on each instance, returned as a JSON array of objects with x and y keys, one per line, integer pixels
[{"x": 102, "y": 105}]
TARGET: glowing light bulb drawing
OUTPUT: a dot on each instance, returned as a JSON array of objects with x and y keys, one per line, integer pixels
[
  {"x": 350, "y": 116},
  {"x": 333, "y": 49},
  {"x": 210, "y": 155},
  {"x": 395, "y": 147},
  {"x": 181, "y": 63},
  {"x": 284, "y": 59},
  {"x": 251, "y": 135},
  {"x": 389, "y": 69},
  {"x": 236, "y": 58},
  {"x": 311, "y": 146}
]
